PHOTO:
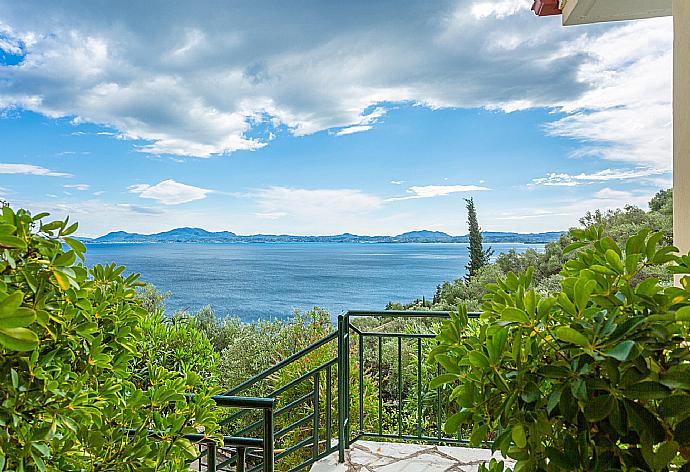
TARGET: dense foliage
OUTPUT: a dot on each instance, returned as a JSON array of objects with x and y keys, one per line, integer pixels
[
  {"x": 594, "y": 377},
  {"x": 70, "y": 342},
  {"x": 619, "y": 224}
]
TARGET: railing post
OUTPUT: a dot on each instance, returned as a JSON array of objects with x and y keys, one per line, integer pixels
[
  {"x": 211, "y": 457},
  {"x": 315, "y": 446},
  {"x": 269, "y": 446},
  {"x": 241, "y": 459},
  {"x": 342, "y": 388}
]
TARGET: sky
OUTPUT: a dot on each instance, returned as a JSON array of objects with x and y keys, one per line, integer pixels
[{"x": 313, "y": 117}]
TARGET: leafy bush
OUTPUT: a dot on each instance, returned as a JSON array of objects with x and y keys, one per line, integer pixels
[
  {"x": 69, "y": 338},
  {"x": 594, "y": 377},
  {"x": 178, "y": 345}
]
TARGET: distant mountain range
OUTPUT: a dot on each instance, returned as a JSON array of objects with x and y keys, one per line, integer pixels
[{"x": 198, "y": 235}]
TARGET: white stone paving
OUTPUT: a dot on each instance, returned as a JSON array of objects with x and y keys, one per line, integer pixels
[{"x": 369, "y": 456}]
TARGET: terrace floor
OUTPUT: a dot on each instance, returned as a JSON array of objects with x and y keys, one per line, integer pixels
[{"x": 368, "y": 456}]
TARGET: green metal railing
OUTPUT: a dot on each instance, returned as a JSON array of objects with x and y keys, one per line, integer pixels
[
  {"x": 324, "y": 425},
  {"x": 234, "y": 450},
  {"x": 420, "y": 343},
  {"x": 316, "y": 440}
]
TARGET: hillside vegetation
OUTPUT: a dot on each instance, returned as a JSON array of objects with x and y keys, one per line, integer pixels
[{"x": 619, "y": 224}]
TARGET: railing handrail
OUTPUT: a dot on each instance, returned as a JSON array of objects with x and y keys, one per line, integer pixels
[
  {"x": 405, "y": 313},
  {"x": 230, "y": 401},
  {"x": 271, "y": 370}
]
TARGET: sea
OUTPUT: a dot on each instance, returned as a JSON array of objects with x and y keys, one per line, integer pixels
[{"x": 269, "y": 280}]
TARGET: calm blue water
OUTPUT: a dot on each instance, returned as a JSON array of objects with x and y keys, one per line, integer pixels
[{"x": 270, "y": 280}]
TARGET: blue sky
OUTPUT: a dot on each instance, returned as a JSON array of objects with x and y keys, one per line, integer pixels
[{"x": 371, "y": 119}]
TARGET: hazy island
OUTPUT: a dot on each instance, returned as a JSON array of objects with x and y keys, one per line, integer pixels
[{"x": 198, "y": 235}]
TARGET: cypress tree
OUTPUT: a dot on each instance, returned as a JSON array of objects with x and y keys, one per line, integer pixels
[
  {"x": 437, "y": 296},
  {"x": 478, "y": 255}
]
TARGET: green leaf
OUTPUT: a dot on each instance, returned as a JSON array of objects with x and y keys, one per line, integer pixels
[
  {"x": 652, "y": 243},
  {"x": 647, "y": 287},
  {"x": 478, "y": 359},
  {"x": 531, "y": 393},
  {"x": 553, "y": 372},
  {"x": 566, "y": 304},
  {"x": 621, "y": 351},
  {"x": 478, "y": 434},
  {"x": 663, "y": 456},
  {"x": 645, "y": 422},
  {"x": 579, "y": 389},
  {"x": 515, "y": 315},
  {"x": 583, "y": 292},
  {"x": 442, "y": 380},
  {"x": 61, "y": 279},
  {"x": 7, "y": 229},
  {"x": 11, "y": 302},
  {"x": 76, "y": 245},
  {"x": 574, "y": 246},
  {"x": 53, "y": 225},
  {"x": 65, "y": 259},
  {"x": 675, "y": 406},
  {"x": 42, "y": 448},
  {"x": 602, "y": 269},
  {"x": 599, "y": 408},
  {"x": 572, "y": 336},
  {"x": 614, "y": 261},
  {"x": 683, "y": 314},
  {"x": 18, "y": 339},
  {"x": 19, "y": 318},
  {"x": 676, "y": 377},
  {"x": 69, "y": 230},
  {"x": 519, "y": 436},
  {"x": 554, "y": 399},
  {"x": 11, "y": 242},
  {"x": 648, "y": 390},
  {"x": 452, "y": 424}
]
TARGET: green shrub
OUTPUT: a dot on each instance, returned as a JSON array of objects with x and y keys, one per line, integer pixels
[
  {"x": 178, "y": 345},
  {"x": 594, "y": 377},
  {"x": 174, "y": 342},
  {"x": 69, "y": 338}
]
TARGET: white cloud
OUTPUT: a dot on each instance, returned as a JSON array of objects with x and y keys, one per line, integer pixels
[
  {"x": 353, "y": 130},
  {"x": 278, "y": 202},
  {"x": 530, "y": 215},
  {"x": 170, "y": 192},
  {"x": 625, "y": 114},
  {"x": 81, "y": 187},
  {"x": 430, "y": 191},
  {"x": 554, "y": 179},
  {"x": 397, "y": 182},
  {"x": 500, "y": 9},
  {"x": 270, "y": 216},
  {"x": 207, "y": 81},
  {"x": 30, "y": 169}
]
